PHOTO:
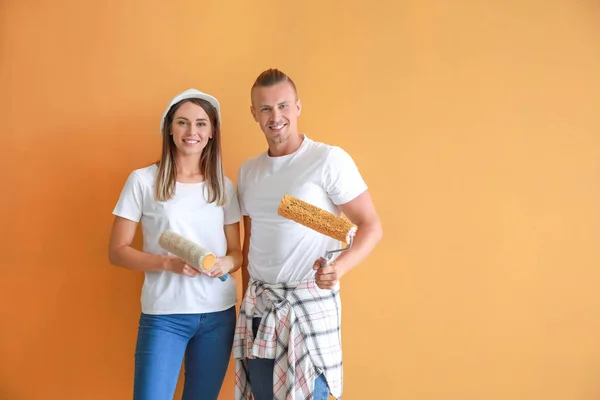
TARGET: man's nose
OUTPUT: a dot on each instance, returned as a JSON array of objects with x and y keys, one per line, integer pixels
[{"x": 276, "y": 114}]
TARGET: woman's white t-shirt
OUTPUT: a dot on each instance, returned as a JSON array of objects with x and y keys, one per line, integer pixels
[{"x": 188, "y": 214}]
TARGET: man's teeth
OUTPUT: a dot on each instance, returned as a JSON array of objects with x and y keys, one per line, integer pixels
[{"x": 277, "y": 126}]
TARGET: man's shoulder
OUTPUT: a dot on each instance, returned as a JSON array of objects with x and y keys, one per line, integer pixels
[
  {"x": 316, "y": 149},
  {"x": 252, "y": 160},
  {"x": 325, "y": 151},
  {"x": 249, "y": 165}
]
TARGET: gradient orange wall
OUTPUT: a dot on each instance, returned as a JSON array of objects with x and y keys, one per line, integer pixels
[{"x": 476, "y": 126}]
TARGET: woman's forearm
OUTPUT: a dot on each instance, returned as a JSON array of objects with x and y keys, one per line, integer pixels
[{"x": 128, "y": 257}]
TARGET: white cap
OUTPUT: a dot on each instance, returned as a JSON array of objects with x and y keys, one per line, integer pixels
[{"x": 192, "y": 94}]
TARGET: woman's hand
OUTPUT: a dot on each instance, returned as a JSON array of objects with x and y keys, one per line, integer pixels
[
  {"x": 222, "y": 266},
  {"x": 178, "y": 266}
]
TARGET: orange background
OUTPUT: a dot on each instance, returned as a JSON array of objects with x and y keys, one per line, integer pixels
[{"x": 475, "y": 125}]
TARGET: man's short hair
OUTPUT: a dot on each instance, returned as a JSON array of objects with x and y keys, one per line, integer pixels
[{"x": 272, "y": 77}]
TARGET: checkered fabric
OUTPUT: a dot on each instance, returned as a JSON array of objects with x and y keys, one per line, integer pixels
[{"x": 300, "y": 330}]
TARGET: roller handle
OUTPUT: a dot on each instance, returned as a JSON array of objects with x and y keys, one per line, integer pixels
[
  {"x": 330, "y": 253},
  {"x": 223, "y": 278}
]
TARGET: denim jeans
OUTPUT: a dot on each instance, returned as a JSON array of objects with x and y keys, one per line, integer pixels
[
  {"x": 202, "y": 341},
  {"x": 261, "y": 376}
]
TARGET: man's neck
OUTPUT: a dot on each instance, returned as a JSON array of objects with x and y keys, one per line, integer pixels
[{"x": 284, "y": 149}]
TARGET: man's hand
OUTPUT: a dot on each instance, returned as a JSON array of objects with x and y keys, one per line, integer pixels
[{"x": 327, "y": 277}]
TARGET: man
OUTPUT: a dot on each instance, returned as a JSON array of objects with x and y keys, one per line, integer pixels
[{"x": 287, "y": 343}]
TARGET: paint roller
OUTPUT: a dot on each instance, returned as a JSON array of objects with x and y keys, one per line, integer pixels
[
  {"x": 319, "y": 220},
  {"x": 192, "y": 253}
]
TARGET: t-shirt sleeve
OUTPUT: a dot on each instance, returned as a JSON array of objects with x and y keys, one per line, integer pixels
[
  {"x": 232, "y": 205},
  {"x": 240, "y": 191},
  {"x": 130, "y": 203},
  {"x": 342, "y": 179}
]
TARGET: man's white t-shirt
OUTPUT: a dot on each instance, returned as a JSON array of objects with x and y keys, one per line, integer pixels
[
  {"x": 188, "y": 214},
  {"x": 325, "y": 176}
]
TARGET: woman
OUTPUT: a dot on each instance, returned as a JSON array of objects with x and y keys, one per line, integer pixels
[{"x": 187, "y": 314}]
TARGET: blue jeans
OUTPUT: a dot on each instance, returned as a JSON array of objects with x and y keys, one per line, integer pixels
[
  {"x": 261, "y": 376},
  {"x": 203, "y": 341}
]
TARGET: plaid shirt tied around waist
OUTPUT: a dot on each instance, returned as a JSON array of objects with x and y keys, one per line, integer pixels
[{"x": 300, "y": 330}]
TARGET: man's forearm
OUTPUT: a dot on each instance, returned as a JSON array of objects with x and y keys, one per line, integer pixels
[
  {"x": 245, "y": 252},
  {"x": 366, "y": 238},
  {"x": 245, "y": 277},
  {"x": 236, "y": 259}
]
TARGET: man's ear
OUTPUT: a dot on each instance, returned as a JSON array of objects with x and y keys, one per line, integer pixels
[
  {"x": 253, "y": 112},
  {"x": 299, "y": 107}
]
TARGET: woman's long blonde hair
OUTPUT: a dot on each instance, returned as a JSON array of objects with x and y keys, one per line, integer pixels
[{"x": 211, "y": 164}]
